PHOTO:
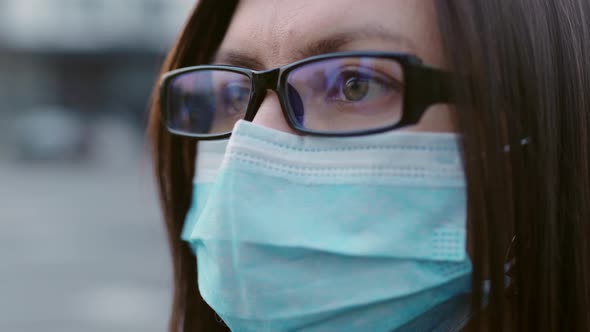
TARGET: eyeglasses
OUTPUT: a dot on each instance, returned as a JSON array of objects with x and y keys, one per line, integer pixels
[{"x": 338, "y": 94}]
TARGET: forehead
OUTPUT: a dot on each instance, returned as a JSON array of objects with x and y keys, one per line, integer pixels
[{"x": 271, "y": 33}]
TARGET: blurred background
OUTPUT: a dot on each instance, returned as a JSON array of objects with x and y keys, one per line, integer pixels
[{"x": 82, "y": 247}]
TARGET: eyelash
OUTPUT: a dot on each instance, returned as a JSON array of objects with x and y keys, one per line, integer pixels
[{"x": 352, "y": 71}]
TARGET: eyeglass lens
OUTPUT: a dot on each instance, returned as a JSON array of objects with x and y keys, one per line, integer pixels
[
  {"x": 207, "y": 101},
  {"x": 333, "y": 95}
]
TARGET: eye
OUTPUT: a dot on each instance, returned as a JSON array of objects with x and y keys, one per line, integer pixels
[
  {"x": 355, "y": 89},
  {"x": 354, "y": 85},
  {"x": 235, "y": 97}
]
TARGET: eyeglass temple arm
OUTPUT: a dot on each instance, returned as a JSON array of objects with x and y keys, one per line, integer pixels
[
  {"x": 438, "y": 85},
  {"x": 426, "y": 86}
]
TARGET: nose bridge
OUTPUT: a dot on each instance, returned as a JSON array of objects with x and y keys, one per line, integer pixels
[
  {"x": 266, "y": 80},
  {"x": 264, "y": 111},
  {"x": 263, "y": 81}
]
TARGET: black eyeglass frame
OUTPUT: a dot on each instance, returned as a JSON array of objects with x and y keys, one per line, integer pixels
[{"x": 423, "y": 86}]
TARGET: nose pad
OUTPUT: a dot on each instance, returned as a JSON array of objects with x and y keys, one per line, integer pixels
[{"x": 270, "y": 114}]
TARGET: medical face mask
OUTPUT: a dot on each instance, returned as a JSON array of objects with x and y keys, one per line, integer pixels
[{"x": 301, "y": 233}]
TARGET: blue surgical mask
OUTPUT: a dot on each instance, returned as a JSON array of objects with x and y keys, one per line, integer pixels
[{"x": 301, "y": 233}]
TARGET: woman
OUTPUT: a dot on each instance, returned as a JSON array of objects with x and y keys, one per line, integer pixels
[{"x": 339, "y": 205}]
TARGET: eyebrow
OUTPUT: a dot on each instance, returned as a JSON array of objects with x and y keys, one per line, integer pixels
[
  {"x": 238, "y": 59},
  {"x": 337, "y": 41},
  {"x": 332, "y": 43}
]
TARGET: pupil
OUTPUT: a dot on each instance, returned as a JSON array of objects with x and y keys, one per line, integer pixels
[{"x": 355, "y": 89}]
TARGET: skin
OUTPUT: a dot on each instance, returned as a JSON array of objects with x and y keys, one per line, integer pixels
[{"x": 266, "y": 34}]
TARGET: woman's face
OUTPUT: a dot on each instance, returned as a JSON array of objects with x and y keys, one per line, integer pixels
[{"x": 266, "y": 34}]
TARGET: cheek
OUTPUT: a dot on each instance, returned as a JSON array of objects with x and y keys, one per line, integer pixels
[{"x": 437, "y": 118}]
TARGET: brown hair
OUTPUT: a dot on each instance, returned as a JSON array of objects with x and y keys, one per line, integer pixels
[{"x": 527, "y": 64}]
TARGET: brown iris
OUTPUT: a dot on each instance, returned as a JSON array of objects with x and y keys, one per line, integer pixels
[{"x": 355, "y": 89}]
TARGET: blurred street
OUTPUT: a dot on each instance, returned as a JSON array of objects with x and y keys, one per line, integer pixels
[{"x": 82, "y": 244}]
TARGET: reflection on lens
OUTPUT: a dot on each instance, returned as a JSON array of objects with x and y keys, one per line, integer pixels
[
  {"x": 347, "y": 94},
  {"x": 207, "y": 101}
]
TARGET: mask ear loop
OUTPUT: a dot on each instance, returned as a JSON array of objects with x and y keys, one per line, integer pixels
[{"x": 511, "y": 289}]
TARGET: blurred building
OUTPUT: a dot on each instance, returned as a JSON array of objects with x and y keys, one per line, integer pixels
[
  {"x": 91, "y": 56},
  {"x": 82, "y": 244}
]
